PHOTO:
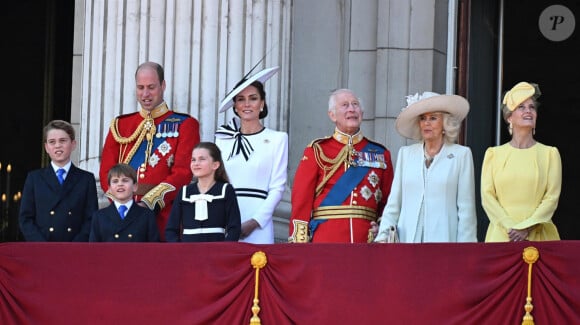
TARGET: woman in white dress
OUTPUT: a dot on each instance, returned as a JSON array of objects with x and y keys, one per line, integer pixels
[{"x": 255, "y": 157}]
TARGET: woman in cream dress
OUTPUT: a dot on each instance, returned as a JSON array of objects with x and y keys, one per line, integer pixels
[{"x": 432, "y": 197}]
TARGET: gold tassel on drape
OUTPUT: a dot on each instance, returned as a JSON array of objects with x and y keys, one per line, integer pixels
[
  {"x": 259, "y": 260},
  {"x": 530, "y": 256}
]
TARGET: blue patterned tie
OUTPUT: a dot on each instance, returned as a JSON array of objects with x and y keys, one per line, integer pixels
[
  {"x": 122, "y": 210},
  {"x": 59, "y": 174}
]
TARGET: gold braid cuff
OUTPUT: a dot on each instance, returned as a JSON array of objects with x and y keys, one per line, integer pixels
[
  {"x": 300, "y": 233},
  {"x": 370, "y": 236},
  {"x": 109, "y": 195},
  {"x": 124, "y": 140},
  {"x": 156, "y": 195}
]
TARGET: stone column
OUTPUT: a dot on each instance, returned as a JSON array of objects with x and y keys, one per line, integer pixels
[{"x": 205, "y": 46}]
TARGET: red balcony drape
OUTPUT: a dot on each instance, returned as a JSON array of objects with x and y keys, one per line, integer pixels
[{"x": 213, "y": 283}]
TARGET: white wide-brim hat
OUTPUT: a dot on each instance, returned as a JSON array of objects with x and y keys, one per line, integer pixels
[
  {"x": 261, "y": 76},
  {"x": 407, "y": 123}
]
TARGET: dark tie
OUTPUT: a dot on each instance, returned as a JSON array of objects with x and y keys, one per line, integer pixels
[
  {"x": 59, "y": 173},
  {"x": 122, "y": 210}
]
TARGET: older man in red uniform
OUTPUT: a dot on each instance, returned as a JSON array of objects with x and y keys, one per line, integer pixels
[
  {"x": 342, "y": 182},
  {"x": 156, "y": 141}
]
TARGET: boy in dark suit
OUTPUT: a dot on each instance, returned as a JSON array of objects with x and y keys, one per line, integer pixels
[
  {"x": 123, "y": 220},
  {"x": 58, "y": 200}
]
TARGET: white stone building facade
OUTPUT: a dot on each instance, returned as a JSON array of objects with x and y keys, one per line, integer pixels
[{"x": 382, "y": 49}]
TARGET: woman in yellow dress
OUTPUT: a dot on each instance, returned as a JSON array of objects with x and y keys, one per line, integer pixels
[{"x": 521, "y": 179}]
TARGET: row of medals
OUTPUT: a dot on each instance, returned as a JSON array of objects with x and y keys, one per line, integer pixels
[{"x": 169, "y": 131}]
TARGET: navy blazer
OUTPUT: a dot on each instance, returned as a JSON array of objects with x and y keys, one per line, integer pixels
[
  {"x": 53, "y": 212},
  {"x": 139, "y": 225}
]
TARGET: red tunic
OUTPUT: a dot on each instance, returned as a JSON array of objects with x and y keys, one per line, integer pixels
[
  {"x": 168, "y": 155},
  {"x": 349, "y": 221}
]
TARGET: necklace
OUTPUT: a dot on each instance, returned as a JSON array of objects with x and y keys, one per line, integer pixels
[{"x": 428, "y": 158}]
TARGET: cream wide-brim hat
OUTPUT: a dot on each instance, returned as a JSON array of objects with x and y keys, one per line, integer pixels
[
  {"x": 261, "y": 76},
  {"x": 407, "y": 123}
]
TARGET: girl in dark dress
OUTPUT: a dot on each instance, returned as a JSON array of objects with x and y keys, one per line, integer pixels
[{"x": 207, "y": 209}]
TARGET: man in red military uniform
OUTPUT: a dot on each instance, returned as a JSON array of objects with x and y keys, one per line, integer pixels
[
  {"x": 156, "y": 141},
  {"x": 342, "y": 182}
]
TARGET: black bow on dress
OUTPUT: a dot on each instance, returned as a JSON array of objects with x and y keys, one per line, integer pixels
[{"x": 241, "y": 143}]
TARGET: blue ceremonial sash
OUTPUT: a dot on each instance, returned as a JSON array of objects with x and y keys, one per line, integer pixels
[
  {"x": 167, "y": 128},
  {"x": 343, "y": 187},
  {"x": 349, "y": 180}
]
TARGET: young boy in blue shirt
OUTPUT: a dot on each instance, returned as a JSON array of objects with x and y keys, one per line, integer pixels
[
  {"x": 123, "y": 220},
  {"x": 58, "y": 200}
]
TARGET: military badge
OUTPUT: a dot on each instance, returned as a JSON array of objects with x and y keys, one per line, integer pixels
[
  {"x": 164, "y": 148},
  {"x": 366, "y": 192},
  {"x": 153, "y": 160},
  {"x": 378, "y": 195},
  {"x": 170, "y": 160},
  {"x": 373, "y": 178}
]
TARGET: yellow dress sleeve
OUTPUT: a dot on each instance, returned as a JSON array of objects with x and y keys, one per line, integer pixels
[
  {"x": 489, "y": 200},
  {"x": 545, "y": 210}
]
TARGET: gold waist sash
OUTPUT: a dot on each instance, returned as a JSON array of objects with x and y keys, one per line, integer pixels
[{"x": 344, "y": 212}]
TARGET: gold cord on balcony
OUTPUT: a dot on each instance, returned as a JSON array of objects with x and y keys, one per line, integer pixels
[
  {"x": 530, "y": 256},
  {"x": 258, "y": 261}
]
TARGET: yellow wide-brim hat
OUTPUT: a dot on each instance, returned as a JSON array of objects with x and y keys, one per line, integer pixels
[
  {"x": 520, "y": 93},
  {"x": 407, "y": 123}
]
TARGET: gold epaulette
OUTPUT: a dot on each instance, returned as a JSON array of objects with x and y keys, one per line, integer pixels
[
  {"x": 114, "y": 127},
  {"x": 328, "y": 165},
  {"x": 377, "y": 143},
  {"x": 318, "y": 140}
]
